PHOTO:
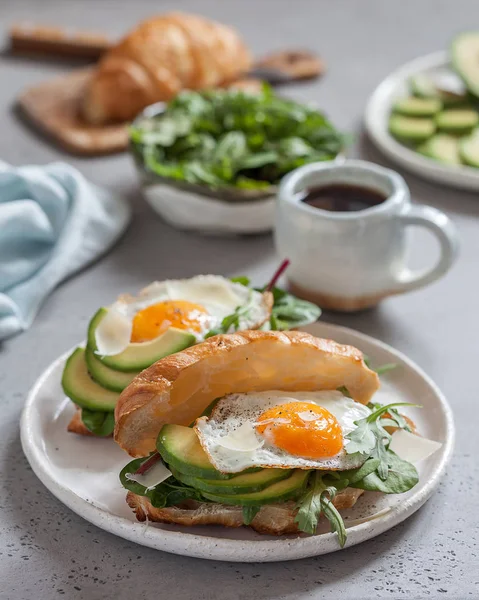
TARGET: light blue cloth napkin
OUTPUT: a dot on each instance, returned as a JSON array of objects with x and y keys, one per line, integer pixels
[{"x": 53, "y": 222}]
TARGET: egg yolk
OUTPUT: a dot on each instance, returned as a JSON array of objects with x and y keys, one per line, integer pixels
[
  {"x": 302, "y": 429},
  {"x": 153, "y": 320}
]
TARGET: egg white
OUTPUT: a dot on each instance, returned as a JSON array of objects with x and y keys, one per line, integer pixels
[
  {"x": 218, "y": 295},
  {"x": 230, "y": 439}
]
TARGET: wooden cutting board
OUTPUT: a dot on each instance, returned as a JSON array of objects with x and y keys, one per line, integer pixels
[{"x": 54, "y": 107}]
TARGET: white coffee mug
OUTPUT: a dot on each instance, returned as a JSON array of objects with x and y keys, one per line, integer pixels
[{"x": 351, "y": 260}]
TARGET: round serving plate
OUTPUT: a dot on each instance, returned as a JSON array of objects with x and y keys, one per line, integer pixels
[
  {"x": 377, "y": 115},
  {"x": 82, "y": 472}
]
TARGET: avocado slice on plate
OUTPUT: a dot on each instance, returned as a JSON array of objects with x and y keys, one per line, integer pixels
[
  {"x": 243, "y": 483},
  {"x": 113, "y": 380},
  {"x": 410, "y": 129},
  {"x": 422, "y": 86},
  {"x": 442, "y": 147},
  {"x": 469, "y": 149},
  {"x": 464, "y": 55},
  {"x": 80, "y": 387},
  {"x": 140, "y": 355},
  {"x": 446, "y": 87},
  {"x": 417, "y": 107},
  {"x": 457, "y": 120},
  {"x": 277, "y": 492}
]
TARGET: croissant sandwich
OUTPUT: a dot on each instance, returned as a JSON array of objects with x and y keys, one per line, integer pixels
[
  {"x": 261, "y": 428},
  {"x": 157, "y": 60}
]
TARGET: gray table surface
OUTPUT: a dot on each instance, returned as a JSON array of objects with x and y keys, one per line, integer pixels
[{"x": 46, "y": 550}]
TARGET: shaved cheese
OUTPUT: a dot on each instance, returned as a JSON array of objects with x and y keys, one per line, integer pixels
[
  {"x": 242, "y": 439},
  {"x": 113, "y": 333},
  {"x": 153, "y": 477},
  {"x": 411, "y": 447}
]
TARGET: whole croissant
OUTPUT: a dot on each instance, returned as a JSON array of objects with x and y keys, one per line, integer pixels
[{"x": 158, "y": 59}]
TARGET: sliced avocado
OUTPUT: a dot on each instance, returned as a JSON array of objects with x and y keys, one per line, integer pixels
[
  {"x": 411, "y": 130},
  {"x": 139, "y": 356},
  {"x": 464, "y": 54},
  {"x": 116, "y": 381},
  {"x": 469, "y": 149},
  {"x": 418, "y": 107},
  {"x": 457, "y": 120},
  {"x": 180, "y": 448},
  {"x": 442, "y": 147},
  {"x": 423, "y": 86},
  {"x": 80, "y": 387},
  {"x": 277, "y": 492},
  {"x": 241, "y": 484}
]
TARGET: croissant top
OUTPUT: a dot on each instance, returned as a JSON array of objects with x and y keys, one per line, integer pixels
[
  {"x": 158, "y": 59},
  {"x": 178, "y": 388}
]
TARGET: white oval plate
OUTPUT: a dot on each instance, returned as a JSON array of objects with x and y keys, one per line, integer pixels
[
  {"x": 376, "y": 119},
  {"x": 83, "y": 472}
]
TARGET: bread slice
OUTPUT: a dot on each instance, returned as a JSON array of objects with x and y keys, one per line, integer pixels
[
  {"x": 272, "y": 519},
  {"x": 179, "y": 387}
]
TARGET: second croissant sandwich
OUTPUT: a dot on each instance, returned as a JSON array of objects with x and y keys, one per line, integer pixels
[{"x": 161, "y": 57}]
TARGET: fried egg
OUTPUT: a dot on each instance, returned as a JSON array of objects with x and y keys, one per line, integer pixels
[
  {"x": 289, "y": 430},
  {"x": 195, "y": 305}
]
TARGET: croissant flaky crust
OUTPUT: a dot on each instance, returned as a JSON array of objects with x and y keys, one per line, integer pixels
[
  {"x": 161, "y": 57},
  {"x": 179, "y": 387},
  {"x": 272, "y": 519}
]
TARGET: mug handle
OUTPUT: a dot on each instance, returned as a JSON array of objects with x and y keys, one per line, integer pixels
[{"x": 444, "y": 230}]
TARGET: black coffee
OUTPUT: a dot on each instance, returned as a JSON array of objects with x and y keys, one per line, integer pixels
[{"x": 342, "y": 198}]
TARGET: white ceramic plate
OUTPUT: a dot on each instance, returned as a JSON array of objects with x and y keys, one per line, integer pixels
[
  {"x": 377, "y": 116},
  {"x": 83, "y": 472}
]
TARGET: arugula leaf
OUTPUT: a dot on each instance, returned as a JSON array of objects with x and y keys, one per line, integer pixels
[
  {"x": 344, "y": 391},
  {"x": 382, "y": 368},
  {"x": 385, "y": 368},
  {"x": 362, "y": 439},
  {"x": 394, "y": 419},
  {"x": 317, "y": 500},
  {"x": 401, "y": 477},
  {"x": 372, "y": 440},
  {"x": 99, "y": 423},
  {"x": 335, "y": 519},
  {"x": 232, "y": 322},
  {"x": 229, "y": 138},
  {"x": 309, "y": 505},
  {"x": 249, "y": 513}
]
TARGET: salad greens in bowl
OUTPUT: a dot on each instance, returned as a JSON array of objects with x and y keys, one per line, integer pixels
[{"x": 230, "y": 146}]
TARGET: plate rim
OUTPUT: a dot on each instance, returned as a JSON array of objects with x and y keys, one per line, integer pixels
[
  {"x": 281, "y": 549},
  {"x": 461, "y": 176}
]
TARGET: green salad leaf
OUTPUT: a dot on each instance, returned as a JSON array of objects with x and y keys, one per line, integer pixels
[
  {"x": 232, "y": 138},
  {"x": 290, "y": 312},
  {"x": 401, "y": 476},
  {"x": 168, "y": 493},
  {"x": 99, "y": 423}
]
